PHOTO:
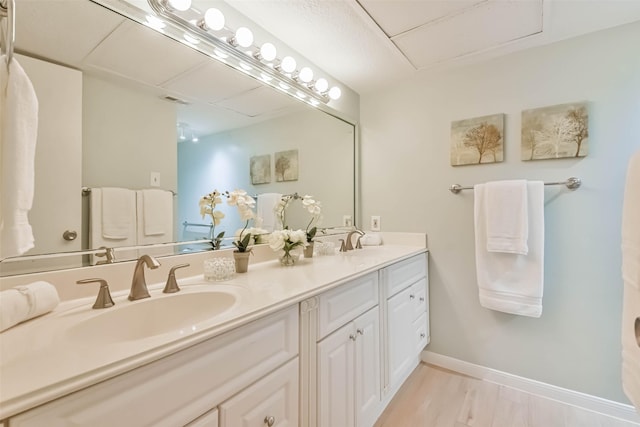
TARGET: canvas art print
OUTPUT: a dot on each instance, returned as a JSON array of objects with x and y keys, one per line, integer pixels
[
  {"x": 286, "y": 165},
  {"x": 260, "y": 169},
  {"x": 478, "y": 140},
  {"x": 555, "y": 132}
]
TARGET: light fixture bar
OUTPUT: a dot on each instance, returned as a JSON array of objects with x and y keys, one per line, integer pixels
[{"x": 161, "y": 8}]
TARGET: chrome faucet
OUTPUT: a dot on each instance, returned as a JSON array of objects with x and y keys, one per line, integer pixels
[
  {"x": 138, "y": 284},
  {"x": 349, "y": 245}
]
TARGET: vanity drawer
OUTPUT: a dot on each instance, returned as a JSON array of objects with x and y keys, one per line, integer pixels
[
  {"x": 419, "y": 294},
  {"x": 210, "y": 419},
  {"x": 404, "y": 273},
  {"x": 421, "y": 327},
  {"x": 343, "y": 304},
  {"x": 179, "y": 388},
  {"x": 274, "y": 398}
]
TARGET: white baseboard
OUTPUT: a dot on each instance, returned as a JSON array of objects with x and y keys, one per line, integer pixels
[{"x": 569, "y": 397}]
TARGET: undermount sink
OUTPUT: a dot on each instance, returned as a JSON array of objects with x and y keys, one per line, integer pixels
[{"x": 132, "y": 320}]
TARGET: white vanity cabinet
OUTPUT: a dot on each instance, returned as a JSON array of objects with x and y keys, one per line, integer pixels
[
  {"x": 233, "y": 370},
  {"x": 405, "y": 291}
]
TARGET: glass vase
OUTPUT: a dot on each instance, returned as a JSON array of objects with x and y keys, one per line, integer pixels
[{"x": 288, "y": 259}]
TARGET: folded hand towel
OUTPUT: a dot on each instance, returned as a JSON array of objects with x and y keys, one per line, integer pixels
[
  {"x": 631, "y": 277},
  {"x": 18, "y": 141},
  {"x": 157, "y": 211},
  {"x": 506, "y": 216},
  {"x": 118, "y": 213},
  {"x": 510, "y": 282},
  {"x": 265, "y": 210},
  {"x": 96, "y": 235},
  {"x": 26, "y": 302}
]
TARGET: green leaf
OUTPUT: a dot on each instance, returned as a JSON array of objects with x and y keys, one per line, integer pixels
[
  {"x": 312, "y": 233},
  {"x": 220, "y": 235}
]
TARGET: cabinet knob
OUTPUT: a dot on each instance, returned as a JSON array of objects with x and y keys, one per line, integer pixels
[
  {"x": 70, "y": 235},
  {"x": 422, "y": 335},
  {"x": 359, "y": 331},
  {"x": 269, "y": 420},
  {"x": 412, "y": 296},
  {"x": 421, "y": 299},
  {"x": 352, "y": 337}
]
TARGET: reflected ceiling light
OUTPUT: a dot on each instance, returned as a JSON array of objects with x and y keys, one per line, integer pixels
[
  {"x": 155, "y": 23},
  {"x": 321, "y": 85},
  {"x": 213, "y": 20},
  {"x": 194, "y": 139},
  {"x": 245, "y": 66},
  {"x": 335, "y": 93},
  {"x": 300, "y": 95},
  {"x": 220, "y": 54},
  {"x": 243, "y": 37},
  {"x": 265, "y": 77},
  {"x": 284, "y": 86},
  {"x": 180, "y": 5},
  {"x": 268, "y": 52},
  {"x": 190, "y": 39},
  {"x": 288, "y": 64},
  {"x": 306, "y": 74}
]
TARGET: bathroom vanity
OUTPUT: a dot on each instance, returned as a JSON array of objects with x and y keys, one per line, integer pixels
[{"x": 327, "y": 342}]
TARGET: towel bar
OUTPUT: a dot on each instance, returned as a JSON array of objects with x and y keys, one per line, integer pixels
[{"x": 572, "y": 183}]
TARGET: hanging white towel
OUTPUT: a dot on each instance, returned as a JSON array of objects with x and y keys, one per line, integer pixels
[
  {"x": 118, "y": 213},
  {"x": 18, "y": 135},
  {"x": 26, "y": 302},
  {"x": 509, "y": 282},
  {"x": 631, "y": 278},
  {"x": 155, "y": 220},
  {"x": 122, "y": 236},
  {"x": 265, "y": 210},
  {"x": 506, "y": 216}
]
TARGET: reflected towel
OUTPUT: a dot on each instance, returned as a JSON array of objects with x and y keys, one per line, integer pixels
[
  {"x": 96, "y": 235},
  {"x": 508, "y": 282},
  {"x": 265, "y": 210},
  {"x": 118, "y": 213},
  {"x": 506, "y": 216},
  {"x": 18, "y": 135},
  {"x": 26, "y": 302},
  {"x": 155, "y": 220},
  {"x": 631, "y": 277}
]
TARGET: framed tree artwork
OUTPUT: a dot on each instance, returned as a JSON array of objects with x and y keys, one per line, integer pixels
[
  {"x": 477, "y": 140},
  {"x": 260, "y": 169},
  {"x": 286, "y": 165}
]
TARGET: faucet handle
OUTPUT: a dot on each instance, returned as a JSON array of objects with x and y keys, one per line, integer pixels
[
  {"x": 172, "y": 285},
  {"x": 343, "y": 247},
  {"x": 104, "y": 296},
  {"x": 358, "y": 244}
]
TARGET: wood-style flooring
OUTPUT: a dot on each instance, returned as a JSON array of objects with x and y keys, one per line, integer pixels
[{"x": 435, "y": 397}]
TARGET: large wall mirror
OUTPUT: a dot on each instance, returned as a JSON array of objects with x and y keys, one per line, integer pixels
[{"x": 124, "y": 106}]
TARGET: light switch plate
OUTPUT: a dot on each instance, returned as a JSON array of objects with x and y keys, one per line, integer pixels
[
  {"x": 347, "y": 221},
  {"x": 154, "y": 180},
  {"x": 375, "y": 223}
]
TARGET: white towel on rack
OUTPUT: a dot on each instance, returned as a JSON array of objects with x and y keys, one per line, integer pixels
[
  {"x": 265, "y": 210},
  {"x": 18, "y": 135},
  {"x": 506, "y": 216},
  {"x": 26, "y": 302},
  {"x": 118, "y": 213},
  {"x": 155, "y": 220},
  {"x": 509, "y": 282},
  {"x": 631, "y": 278},
  {"x": 98, "y": 237}
]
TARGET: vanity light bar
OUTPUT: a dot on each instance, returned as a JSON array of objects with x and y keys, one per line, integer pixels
[{"x": 281, "y": 74}]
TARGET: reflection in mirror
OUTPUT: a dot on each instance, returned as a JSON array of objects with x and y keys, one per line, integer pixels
[{"x": 115, "y": 99}]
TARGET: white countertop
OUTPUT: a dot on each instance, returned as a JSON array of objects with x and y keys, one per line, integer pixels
[{"x": 40, "y": 360}]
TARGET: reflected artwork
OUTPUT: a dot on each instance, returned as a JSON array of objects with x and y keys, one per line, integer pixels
[
  {"x": 260, "y": 169},
  {"x": 555, "y": 132},
  {"x": 478, "y": 140},
  {"x": 286, "y": 165}
]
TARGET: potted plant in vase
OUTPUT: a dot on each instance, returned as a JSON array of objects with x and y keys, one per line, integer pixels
[
  {"x": 286, "y": 241},
  {"x": 208, "y": 204},
  {"x": 245, "y": 205},
  {"x": 315, "y": 209}
]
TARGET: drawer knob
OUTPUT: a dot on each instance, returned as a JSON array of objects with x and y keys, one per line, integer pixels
[
  {"x": 421, "y": 299},
  {"x": 352, "y": 337},
  {"x": 422, "y": 335},
  {"x": 269, "y": 420},
  {"x": 412, "y": 296},
  {"x": 359, "y": 331}
]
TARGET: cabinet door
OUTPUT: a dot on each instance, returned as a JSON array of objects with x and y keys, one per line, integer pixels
[
  {"x": 401, "y": 342},
  {"x": 335, "y": 378},
  {"x": 272, "y": 401},
  {"x": 367, "y": 368}
]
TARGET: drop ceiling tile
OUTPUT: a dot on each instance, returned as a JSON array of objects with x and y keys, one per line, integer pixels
[
  {"x": 256, "y": 102},
  {"x": 211, "y": 82},
  {"x": 398, "y": 16},
  {"x": 480, "y": 28},
  {"x": 143, "y": 54},
  {"x": 42, "y": 29}
]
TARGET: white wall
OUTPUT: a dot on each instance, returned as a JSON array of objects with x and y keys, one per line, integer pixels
[
  {"x": 405, "y": 157},
  {"x": 221, "y": 161}
]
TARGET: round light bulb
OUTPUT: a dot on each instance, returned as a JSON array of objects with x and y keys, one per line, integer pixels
[
  {"x": 288, "y": 64},
  {"x": 244, "y": 36},
  {"x": 306, "y": 74},
  {"x": 268, "y": 52},
  {"x": 180, "y": 5},
  {"x": 335, "y": 93},
  {"x": 321, "y": 85},
  {"x": 214, "y": 19}
]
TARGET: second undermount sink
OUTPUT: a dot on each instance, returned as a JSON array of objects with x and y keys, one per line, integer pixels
[{"x": 180, "y": 313}]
